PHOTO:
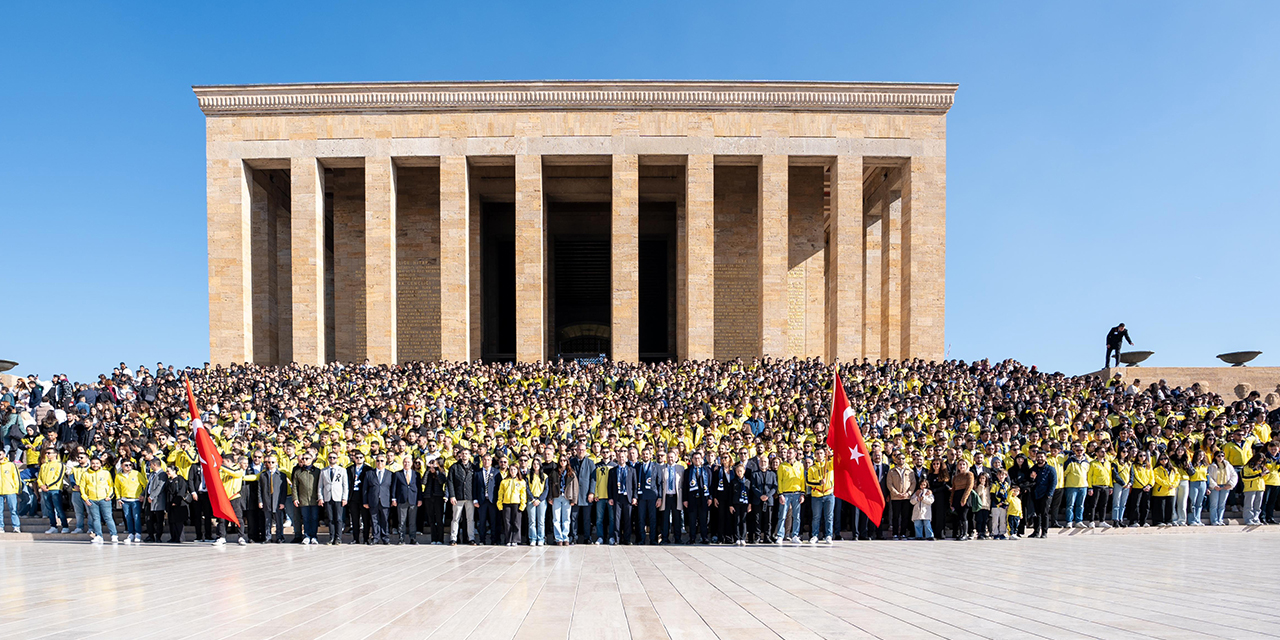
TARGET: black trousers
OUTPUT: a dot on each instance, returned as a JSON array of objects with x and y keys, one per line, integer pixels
[
  {"x": 901, "y": 513},
  {"x": 237, "y": 507},
  {"x": 1139, "y": 508},
  {"x": 381, "y": 525},
  {"x": 941, "y": 496},
  {"x": 1163, "y": 509},
  {"x": 511, "y": 516},
  {"x": 276, "y": 519},
  {"x": 740, "y": 514},
  {"x": 622, "y": 516},
  {"x": 1111, "y": 348},
  {"x": 155, "y": 525},
  {"x": 672, "y": 520},
  {"x": 433, "y": 509},
  {"x": 648, "y": 519},
  {"x": 762, "y": 521},
  {"x": 488, "y": 525},
  {"x": 695, "y": 518},
  {"x": 335, "y": 512},
  {"x": 1055, "y": 507},
  {"x": 725, "y": 520},
  {"x": 1028, "y": 510},
  {"x": 580, "y": 521},
  {"x": 202, "y": 518},
  {"x": 361, "y": 521},
  {"x": 1040, "y": 517},
  {"x": 177, "y": 522}
]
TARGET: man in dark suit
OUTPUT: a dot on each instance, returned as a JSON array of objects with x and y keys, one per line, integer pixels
[
  {"x": 764, "y": 490},
  {"x": 359, "y": 517},
  {"x": 405, "y": 484},
  {"x": 881, "y": 467},
  {"x": 377, "y": 499},
  {"x": 671, "y": 498},
  {"x": 256, "y": 524},
  {"x": 647, "y": 490},
  {"x": 272, "y": 489},
  {"x": 580, "y": 515},
  {"x": 697, "y": 498},
  {"x": 721, "y": 491},
  {"x": 622, "y": 495},
  {"x": 485, "y": 493}
]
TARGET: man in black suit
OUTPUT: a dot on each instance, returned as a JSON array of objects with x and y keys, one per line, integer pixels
[
  {"x": 359, "y": 518},
  {"x": 622, "y": 495},
  {"x": 647, "y": 490},
  {"x": 405, "y": 484},
  {"x": 697, "y": 498},
  {"x": 459, "y": 488},
  {"x": 272, "y": 489},
  {"x": 881, "y": 467},
  {"x": 377, "y": 499},
  {"x": 485, "y": 493}
]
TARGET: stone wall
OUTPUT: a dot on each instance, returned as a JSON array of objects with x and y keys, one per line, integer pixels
[
  {"x": 737, "y": 292},
  {"x": 418, "y": 263},
  {"x": 348, "y": 265},
  {"x": 1229, "y": 382}
]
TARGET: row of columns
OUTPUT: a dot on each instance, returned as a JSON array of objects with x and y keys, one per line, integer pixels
[{"x": 884, "y": 292}]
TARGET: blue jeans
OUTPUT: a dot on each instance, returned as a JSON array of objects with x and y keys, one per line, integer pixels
[
  {"x": 100, "y": 512},
  {"x": 1119, "y": 498},
  {"x": 537, "y": 521},
  {"x": 1195, "y": 500},
  {"x": 51, "y": 502},
  {"x": 790, "y": 505},
  {"x": 924, "y": 529},
  {"x": 310, "y": 521},
  {"x": 1217, "y": 505},
  {"x": 132, "y": 516},
  {"x": 77, "y": 501},
  {"x": 823, "y": 513},
  {"x": 10, "y": 501},
  {"x": 1075, "y": 503},
  {"x": 604, "y": 520},
  {"x": 560, "y": 513}
]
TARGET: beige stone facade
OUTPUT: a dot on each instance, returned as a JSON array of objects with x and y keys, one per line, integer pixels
[{"x": 525, "y": 220}]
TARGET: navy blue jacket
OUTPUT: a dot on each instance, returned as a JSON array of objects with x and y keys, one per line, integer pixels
[
  {"x": 484, "y": 492},
  {"x": 404, "y": 487},
  {"x": 697, "y": 482},
  {"x": 622, "y": 483},
  {"x": 377, "y": 494},
  {"x": 647, "y": 480},
  {"x": 1046, "y": 481}
]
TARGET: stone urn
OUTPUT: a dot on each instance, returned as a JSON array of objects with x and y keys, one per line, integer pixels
[
  {"x": 1238, "y": 358},
  {"x": 1132, "y": 358},
  {"x": 6, "y": 365}
]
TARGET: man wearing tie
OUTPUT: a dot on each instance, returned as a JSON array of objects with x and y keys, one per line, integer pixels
[
  {"x": 361, "y": 523},
  {"x": 334, "y": 492},
  {"x": 671, "y": 486},
  {"x": 404, "y": 497},
  {"x": 486, "y": 501},
  {"x": 647, "y": 488},
  {"x": 697, "y": 498},
  {"x": 377, "y": 499},
  {"x": 622, "y": 496},
  {"x": 272, "y": 489}
]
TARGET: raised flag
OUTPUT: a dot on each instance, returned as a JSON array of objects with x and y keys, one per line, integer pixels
[
  {"x": 210, "y": 463},
  {"x": 855, "y": 478}
]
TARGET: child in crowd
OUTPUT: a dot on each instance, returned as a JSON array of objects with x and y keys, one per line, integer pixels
[
  {"x": 922, "y": 512},
  {"x": 1015, "y": 512}
]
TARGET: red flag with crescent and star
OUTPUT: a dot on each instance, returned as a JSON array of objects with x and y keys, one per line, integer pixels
[
  {"x": 855, "y": 478},
  {"x": 210, "y": 463}
]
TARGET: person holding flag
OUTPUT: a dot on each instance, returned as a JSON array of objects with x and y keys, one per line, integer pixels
[
  {"x": 210, "y": 463},
  {"x": 855, "y": 481}
]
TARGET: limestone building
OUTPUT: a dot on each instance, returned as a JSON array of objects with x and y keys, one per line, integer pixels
[{"x": 525, "y": 220}]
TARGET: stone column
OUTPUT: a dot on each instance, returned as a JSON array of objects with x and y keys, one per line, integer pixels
[
  {"x": 844, "y": 264},
  {"x": 531, "y": 292},
  {"x": 891, "y": 276},
  {"x": 772, "y": 245},
  {"x": 306, "y": 230},
  {"x": 380, "y": 260},
  {"x": 699, "y": 258},
  {"x": 624, "y": 259},
  {"x": 230, "y": 262},
  {"x": 924, "y": 258},
  {"x": 455, "y": 260},
  {"x": 871, "y": 281}
]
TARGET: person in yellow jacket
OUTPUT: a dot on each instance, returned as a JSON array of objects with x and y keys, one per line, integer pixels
[
  {"x": 49, "y": 481},
  {"x": 9, "y": 488},
  {"x": 790, "y": 495},
  {"x": 1166, "y": 477},
  {"x": 1271, "y": 480},
  {"x": 820, "y": 480},
  {"x": 1253, "y": 477},
  {"x": 232, "y": 475},
  {"x": 129, "y": 485},
  {"x": 1143, "y": 482},
  {"x": 512, "y": 496},
  {"x": 95, "y": 488}
]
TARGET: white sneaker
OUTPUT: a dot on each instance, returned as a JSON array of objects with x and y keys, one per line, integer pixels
[
  {"x": 1104, "y": 525},
  {"x": 795, "y": 539},
  {"x": 52, "y": 530},
  {"x": 95, "y": 540},
  {"x": 242, "y": 542},
  {"x": 777, "y": 540},
  {"x": 115, "y": 539},
  {"x": 813, "y": 540},
  {"x": 219, "y": 542},
  {"x": 137, "y": 537},
  {"x": 65, "y": 530},
  {"x": 1091, "y": 525},
  {"x": 128, "y": 539},
  {"x": 826, "y": 540}
]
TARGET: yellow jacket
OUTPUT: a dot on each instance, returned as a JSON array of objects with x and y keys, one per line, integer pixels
[
  {"x": 820, "y": 479},
  {"x": 1166, "y": 482},
  {"x": 9, "y": 484},
  {"x": 51, "y": 475},
  {"x": 95, "y": 485},
  {"x": 790, "y": 477},
  {"x": 129, "y": 486},
  {"x": 512, "y": 491},
  {"x": 232, "y": 481},
  {"x": 1015, "y": 507},
  {"x": 1075, "y": 473},
  {"x": 1252, "y": 478},
  {"x": 1142, "y": 476},
  {"x": 1100, "y": 472}
]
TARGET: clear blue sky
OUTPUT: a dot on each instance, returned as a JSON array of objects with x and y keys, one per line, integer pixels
[{"x": 1107, "y": 161}]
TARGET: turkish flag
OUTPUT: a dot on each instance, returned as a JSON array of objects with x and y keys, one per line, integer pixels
[
  {"x": 855, "y": 478},
  {"x": 210, "y": 463}
]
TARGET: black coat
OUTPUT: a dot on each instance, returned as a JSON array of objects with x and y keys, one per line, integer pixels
[
  {"x": 177, "y": 492},
  {"x": 405, "y": 485},
  {"x": 460, "y": 481}
]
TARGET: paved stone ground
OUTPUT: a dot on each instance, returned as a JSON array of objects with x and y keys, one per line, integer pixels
[{"x": 1198, "y": 584}]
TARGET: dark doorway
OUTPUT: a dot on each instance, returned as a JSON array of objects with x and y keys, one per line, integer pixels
[
  {"x": 653, "y": 299},
  {"x": 582, "y": 300},
  {"x": 499, "y": 289}
]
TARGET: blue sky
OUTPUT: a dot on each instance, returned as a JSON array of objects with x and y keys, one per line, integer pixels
[{"x": 1107, "y": 161}]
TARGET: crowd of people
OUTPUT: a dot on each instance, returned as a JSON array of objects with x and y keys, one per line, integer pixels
[{"x": 616, "y": 453}]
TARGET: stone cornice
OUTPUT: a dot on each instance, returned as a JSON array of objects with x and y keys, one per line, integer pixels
[{"x": 421, "y": 97}]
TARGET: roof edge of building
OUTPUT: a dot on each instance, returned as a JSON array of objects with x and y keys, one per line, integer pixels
[{"x": 574, "y": 95}]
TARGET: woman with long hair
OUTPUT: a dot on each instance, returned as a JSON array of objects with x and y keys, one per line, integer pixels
[
  {"x": 940, "y": 480},
  {"x": 1197, "y": 474},
  {"x": 961, "y": 487},
  {"x": 1182, "y": 462},
  {"x": 1140, "y": 496},
  {"x": 1165, "y": 486},
  {"x": 1220, "y": 479}
]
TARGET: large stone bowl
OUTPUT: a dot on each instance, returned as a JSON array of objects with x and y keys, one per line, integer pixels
[
  {"x": 1132, "y": 358},
  {"x": 1238, "y": 358},
  {"x": 6, "y": 365}
]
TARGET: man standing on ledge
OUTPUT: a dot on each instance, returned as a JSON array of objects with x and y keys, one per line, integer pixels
[{"x": 1114, "y": 336}]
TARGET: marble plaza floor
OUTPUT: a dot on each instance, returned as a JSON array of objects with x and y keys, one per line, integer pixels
[{"x": 1196, "y": 585}]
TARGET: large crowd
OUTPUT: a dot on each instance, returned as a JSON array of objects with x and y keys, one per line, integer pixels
[{"x": 615, "y": 453}]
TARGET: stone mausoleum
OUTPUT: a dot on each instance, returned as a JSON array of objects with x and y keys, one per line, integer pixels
[{"x": 528, "y": 220}]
